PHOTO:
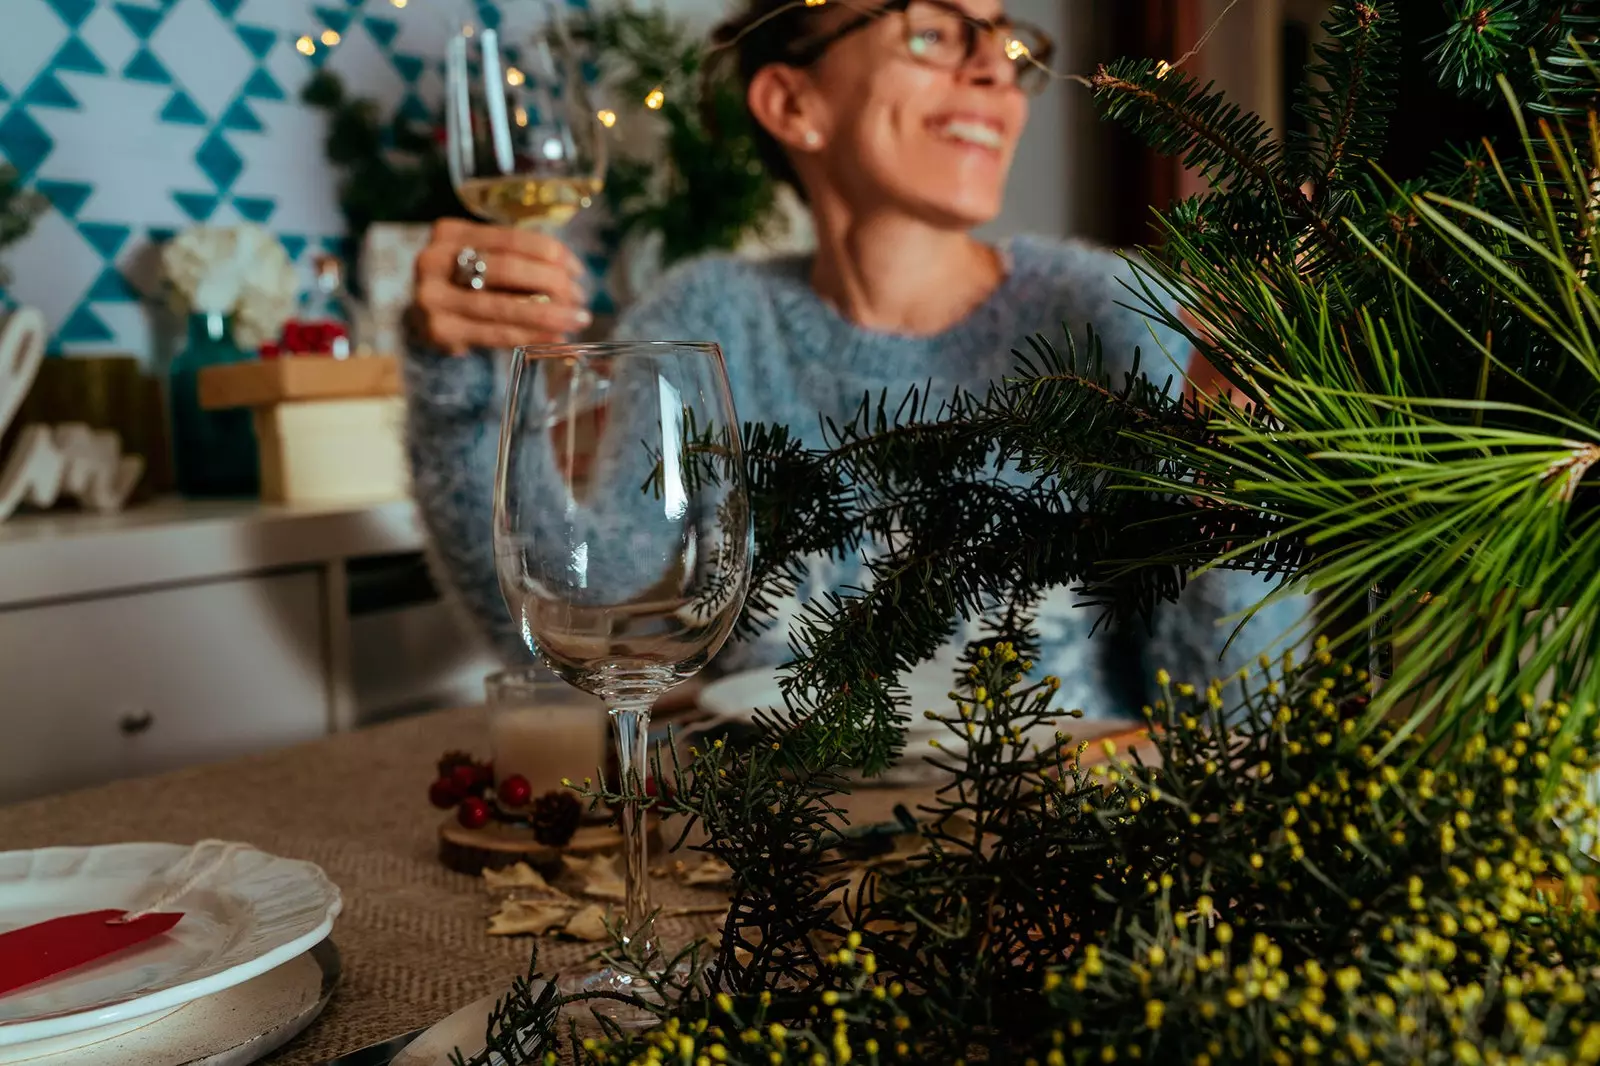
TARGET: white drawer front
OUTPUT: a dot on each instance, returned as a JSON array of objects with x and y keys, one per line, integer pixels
[{"x": 98, "y": 689}]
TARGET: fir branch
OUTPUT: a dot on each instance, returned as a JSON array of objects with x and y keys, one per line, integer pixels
[{"x": 1348, "y": 110}]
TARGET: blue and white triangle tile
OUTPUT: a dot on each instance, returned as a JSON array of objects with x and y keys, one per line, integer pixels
[
  {"x": 239, "y": 118},
  {"x": 53, "y": 268},
  {"x": 67, "y": 197},
  {"x": 181, "y": 110},
  {"x": 201, "y": 50},
  {"x": 72, "y": 12},
  {"x": 23, "y": 142},
  {"x": 107, "y": 35},
  {"x": 292, "y": 17},
  {"x": 24, "y": 55},
  {"x": 140, "y": 19},
  {"x": 144, "y": 66},
  {"x": 47, "y": 91},
  {"x": 112, "y": 287},
  {"x": 260, "y": 40},
  {"x": 263, "y": 86},
  {"x": 218, "y": 160},
  {"x": 76, "y": 56},
  {"x": 107, "y": 238},
  {"x": 257, "y": 209}
]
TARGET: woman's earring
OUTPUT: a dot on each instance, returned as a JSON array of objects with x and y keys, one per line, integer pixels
[{"x": 812, "y": 138}]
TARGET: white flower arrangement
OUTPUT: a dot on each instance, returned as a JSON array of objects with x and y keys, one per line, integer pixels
[{"x": 241, "y": 271}]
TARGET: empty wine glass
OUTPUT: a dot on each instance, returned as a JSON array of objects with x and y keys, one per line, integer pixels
[
  {"x": 622, "y": 538},
  {"x": 524, "y": 143}
]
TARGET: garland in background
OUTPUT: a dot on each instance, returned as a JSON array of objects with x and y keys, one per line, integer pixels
[
  {"x": 699, "y": 184},
  {"x": 713, "y": 191}
]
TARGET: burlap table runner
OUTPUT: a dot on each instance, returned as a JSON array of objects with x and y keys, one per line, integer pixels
[{"x": 412, "y": 934}]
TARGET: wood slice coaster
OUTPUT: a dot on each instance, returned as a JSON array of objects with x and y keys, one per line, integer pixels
[{"x": 498, "y": 845}]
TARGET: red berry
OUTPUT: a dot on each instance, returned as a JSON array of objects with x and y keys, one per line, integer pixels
[
  {"x": 465, "y": 778},
  {"x": 473, "y": 813},
  {"x": 443, "y": 794},
  {"x": 514, "y": 791}
]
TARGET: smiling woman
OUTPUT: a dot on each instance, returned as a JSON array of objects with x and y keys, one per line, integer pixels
[{"x": 897, "y": 124}]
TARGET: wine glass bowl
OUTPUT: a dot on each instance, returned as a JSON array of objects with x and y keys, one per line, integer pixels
[
  {"x": 623, "y": 539},
  {"x": 524, "y": 145}
]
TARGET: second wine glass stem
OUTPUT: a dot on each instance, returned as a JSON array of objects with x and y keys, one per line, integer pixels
[{"x": 632, "y": 723}]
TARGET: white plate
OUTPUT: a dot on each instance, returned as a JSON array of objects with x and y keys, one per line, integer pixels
[
  {"x": 253, "y": 913},
  {"x": 237, "y": 1026},
  {"x": 462, "y": 1031}
]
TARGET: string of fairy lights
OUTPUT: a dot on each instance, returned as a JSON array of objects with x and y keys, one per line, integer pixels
[{"x": 1015, "y": 49}]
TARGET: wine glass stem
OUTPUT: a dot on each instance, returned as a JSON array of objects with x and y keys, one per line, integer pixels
[{"x": 633, "y": 729}]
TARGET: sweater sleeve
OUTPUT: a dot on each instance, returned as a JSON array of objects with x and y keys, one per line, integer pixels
[{"x": 454, "y": 407}]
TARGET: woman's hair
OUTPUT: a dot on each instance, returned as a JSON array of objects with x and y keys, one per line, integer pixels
[{"x": 763, "y": 33}]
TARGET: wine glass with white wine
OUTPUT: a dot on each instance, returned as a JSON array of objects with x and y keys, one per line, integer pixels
[{"x": 525, "y": 144}]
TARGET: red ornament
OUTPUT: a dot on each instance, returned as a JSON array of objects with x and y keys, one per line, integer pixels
[
  {"x": 464, "y": 778},
  {"x": 473, "y": 813},
  {"x": 514, "y": 791},
  {"x": 443, "y": 794}
]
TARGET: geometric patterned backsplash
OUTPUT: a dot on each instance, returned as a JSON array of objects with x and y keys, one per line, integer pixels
[{"x": 137, "y": 118}]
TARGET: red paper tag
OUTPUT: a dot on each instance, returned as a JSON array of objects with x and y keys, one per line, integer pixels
[{"x": 34, "y": 952}]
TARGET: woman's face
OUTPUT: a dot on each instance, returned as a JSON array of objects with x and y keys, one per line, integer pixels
[{"x": 904, "y": 133}]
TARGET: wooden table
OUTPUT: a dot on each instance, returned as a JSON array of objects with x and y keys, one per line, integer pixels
[{"x": 412, "y": 934}]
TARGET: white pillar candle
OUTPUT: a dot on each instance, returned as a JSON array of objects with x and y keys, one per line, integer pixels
[{"x": 544, "y": 730}]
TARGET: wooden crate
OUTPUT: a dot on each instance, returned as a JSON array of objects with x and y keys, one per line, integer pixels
[{"x": 328, "y": 429}]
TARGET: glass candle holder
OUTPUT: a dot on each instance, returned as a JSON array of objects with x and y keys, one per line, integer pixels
[{"x": 543, "y": 729}]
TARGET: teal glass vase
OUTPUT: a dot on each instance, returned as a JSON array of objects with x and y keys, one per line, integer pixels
[{"x": 213, "y": 452}]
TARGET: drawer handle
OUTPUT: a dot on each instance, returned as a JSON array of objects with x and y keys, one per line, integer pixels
[{"x": 134, "y": 724}]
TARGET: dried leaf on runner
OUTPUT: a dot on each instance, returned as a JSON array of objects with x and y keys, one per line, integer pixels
[
  {"x": 522, "y": 917},
  {"x": 587, "y": 924}
]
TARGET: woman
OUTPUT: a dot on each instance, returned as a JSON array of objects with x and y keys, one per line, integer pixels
[{"x": 897, "y": 126}]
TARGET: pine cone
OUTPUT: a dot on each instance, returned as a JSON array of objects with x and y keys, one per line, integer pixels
[
  {"x": 452, "y": 759},
  {"x": 555, "y": 818}
]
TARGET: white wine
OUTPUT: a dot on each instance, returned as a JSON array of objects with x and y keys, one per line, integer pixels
[{"x": 522, "y": 201}]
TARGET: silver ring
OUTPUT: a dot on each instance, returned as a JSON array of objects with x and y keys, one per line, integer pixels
[{"x": 470, "y": 270}]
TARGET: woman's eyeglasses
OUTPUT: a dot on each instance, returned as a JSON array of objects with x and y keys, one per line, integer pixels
[{"x": 942, "y": 35}]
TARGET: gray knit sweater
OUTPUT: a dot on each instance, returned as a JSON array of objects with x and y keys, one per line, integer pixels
[{"x": 791, "y": 359}]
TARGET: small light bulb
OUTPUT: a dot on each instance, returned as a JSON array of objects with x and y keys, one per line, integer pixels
[
  {"x": 306, "y": 46},
  {"x": 607, "y": 117},
  {"x": 655, "y": 99},
  {"x": 815, "y": 3},
  {"x": 398, "y": 3},
  {"x": 522, "y": 116},
  {"x": 467, "y": 30},
  {"x": 1015, "y": 49},
  {"x": 330, "y": 37},
  {"x": 1163, "y": 68},
  {"x": 515, "y": 76}
]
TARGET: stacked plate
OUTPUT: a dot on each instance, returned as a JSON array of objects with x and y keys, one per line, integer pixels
[{"x": 246, "y": 968}]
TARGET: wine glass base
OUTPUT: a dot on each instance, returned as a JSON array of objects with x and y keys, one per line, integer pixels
[{"x": 610, "y": 979}]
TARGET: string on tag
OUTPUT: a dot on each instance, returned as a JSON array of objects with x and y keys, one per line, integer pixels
[{"x": 175, "y": 892}]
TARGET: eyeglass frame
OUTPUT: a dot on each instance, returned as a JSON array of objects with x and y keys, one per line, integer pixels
[{"x": 977, "y": 28}]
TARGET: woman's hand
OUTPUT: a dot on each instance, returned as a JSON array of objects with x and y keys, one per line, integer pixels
[{"x": 530, "y": 288}]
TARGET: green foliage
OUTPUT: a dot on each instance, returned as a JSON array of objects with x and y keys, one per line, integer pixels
[
  {"x": 1318, "y": 868},
  {"x": 1260, "y": 891},
  {"x": 713, "y": 191},
  {"x": 391, "y": 171},
  {"x": 959, "y": 541},
  {"x": 18, "y": 209},
  {"x": 1425, "y": 375}
]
